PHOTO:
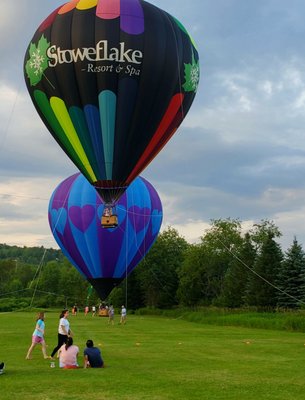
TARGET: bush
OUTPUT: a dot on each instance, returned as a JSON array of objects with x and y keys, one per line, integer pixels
[
  {"x": 288, "y": 321},
  {"x": 13, "y": 304}
]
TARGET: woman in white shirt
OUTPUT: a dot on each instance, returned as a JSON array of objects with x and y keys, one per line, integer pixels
[{"x": 64, "y": 331}]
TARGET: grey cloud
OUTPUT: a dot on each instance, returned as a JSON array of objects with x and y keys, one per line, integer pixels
[
  {"x": 201, "y": 158},
  {"x": 239, "y": 152}
]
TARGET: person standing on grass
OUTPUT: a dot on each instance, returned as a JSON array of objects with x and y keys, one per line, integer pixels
[
  {"x": 75, "y": 309},
  {"x": 92, "y": 356},
  {"x": 93, "y": 311},
  {"x": 111, "y": 315},
  {"x": 123, "y": 315},
  {"x": 64, "y": 331},
  {"x": 38, "y": 337}
]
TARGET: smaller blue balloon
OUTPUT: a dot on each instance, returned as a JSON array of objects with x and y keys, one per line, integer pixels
[{"x": 104, "y": 256}]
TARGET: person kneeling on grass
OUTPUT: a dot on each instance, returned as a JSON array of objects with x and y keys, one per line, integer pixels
[
  {"x": 68, "y": 355},
  {"x": 92, "y": 356}
]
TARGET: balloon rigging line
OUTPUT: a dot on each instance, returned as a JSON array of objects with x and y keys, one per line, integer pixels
[
  {"x": 49, "y": 82},
  {"x": 126, "y": 260},
  {"x": 36, "y": 272},
  {"x": 10, "y": 117},
  {"x": 38, "y": 277},
  {"x": 38, "y": 291},
  {"x": 29, "y": 306},
  {"x": 15, "y": 291},
  {"x": 65, "y": 203},
  {"x": 39, "y": 269},
  {"x": 133, "y": 214},
  {"x": 157, "y": 279},
  {"x": 258, "y": 275},
  {"x": 161, "y": 283}
]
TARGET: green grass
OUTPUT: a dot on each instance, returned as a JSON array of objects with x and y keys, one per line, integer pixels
[{"x": 154, "y": 357}]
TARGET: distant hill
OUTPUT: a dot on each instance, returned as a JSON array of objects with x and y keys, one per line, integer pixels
[{"x": 29, "y": 255}]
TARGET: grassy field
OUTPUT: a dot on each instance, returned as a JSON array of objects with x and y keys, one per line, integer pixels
[{"x": 155, "y": 358}]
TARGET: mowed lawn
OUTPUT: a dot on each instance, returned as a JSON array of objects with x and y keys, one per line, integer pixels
[{"x": 154, "y": 358}]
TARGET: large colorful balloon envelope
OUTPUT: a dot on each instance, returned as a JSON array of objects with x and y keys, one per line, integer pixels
[
  {"x": 112, "y": 80},
  {"x": 104, "y": 256}
]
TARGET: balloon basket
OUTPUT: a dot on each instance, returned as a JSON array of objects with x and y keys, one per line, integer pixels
[
  {"x": 109, "y": 221},
  {"x": 103, "y": 312}
]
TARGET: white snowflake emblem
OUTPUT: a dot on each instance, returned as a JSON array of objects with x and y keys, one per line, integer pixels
[{"x": 36, "y": 62}]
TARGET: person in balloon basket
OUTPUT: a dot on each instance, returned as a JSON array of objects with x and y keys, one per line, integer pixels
[
  {"x": 92, "y": 356},
  {"x": 64, "y": 331},
  {"x": 38, "y": 337},
  {"x": 123, "y": 315},
  {"x": 68, "y": 355}
]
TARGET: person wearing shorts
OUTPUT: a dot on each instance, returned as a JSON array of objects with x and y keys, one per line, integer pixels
[{"x": 38, "y": 337}]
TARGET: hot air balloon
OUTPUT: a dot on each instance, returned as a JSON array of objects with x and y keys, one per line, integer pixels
[
  {"x": 112, "y": 80},
  {"x": 104, "y": 256}
]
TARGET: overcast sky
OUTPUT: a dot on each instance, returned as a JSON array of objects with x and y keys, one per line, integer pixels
[{"x": 239, "y": 153}]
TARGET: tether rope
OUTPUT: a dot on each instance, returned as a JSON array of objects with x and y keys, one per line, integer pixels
[{"x": 258, "y": 275}]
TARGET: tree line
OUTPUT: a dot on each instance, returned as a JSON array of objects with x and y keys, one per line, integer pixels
[{"x": 227, "y": 268}]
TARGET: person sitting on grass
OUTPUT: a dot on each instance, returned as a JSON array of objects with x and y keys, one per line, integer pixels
[
  {"x": 2, "y": 366},
  {"x": 92, "y": 356},
  {"x": 68, "y": 355}
]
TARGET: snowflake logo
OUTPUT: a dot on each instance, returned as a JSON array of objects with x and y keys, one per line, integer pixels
[
  {"x": 191, "y": 76},
  {"x": 38, "y": 61}
]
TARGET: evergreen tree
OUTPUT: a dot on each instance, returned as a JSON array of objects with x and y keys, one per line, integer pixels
[
  {"x": 291, "y": 277},
  {"x": 236, "y": 278},
  {"x": 261, "y": 287}
]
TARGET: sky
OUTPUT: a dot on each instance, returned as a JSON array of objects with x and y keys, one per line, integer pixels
[{"x": 239, "y": 153}]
